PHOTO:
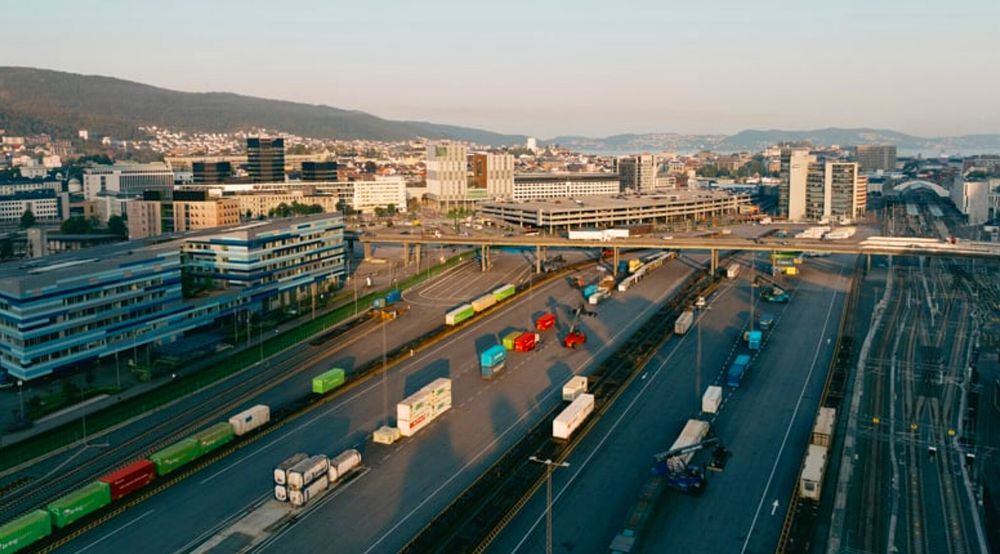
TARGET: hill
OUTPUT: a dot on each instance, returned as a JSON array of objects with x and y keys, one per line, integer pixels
[{"x": 60, "y": 103}]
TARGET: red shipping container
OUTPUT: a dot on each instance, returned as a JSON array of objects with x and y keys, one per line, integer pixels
[
  {"x": 546, "y": 321},
  {"x": 525, "y": 342},
  {"x": 130, "y": 478}
]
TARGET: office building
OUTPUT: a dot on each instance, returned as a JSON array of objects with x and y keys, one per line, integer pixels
[
  {"x": 319, "y": 171},
  {"x": 538, "y": 186},
  {"x": 493, "y": 173},
  {"x": 144, "y": 219},
  {"x": 67, "y": 310},
  {"x": 448, "y": 176},
  {"x": 382, "y": 192},
  {"x": 266, "y": 159},
  {"x": 617, "y": 210},
  {"x": 208, "y": 171},
  {"x": 835, "y": 193},
  {"x": 47, "y": 205},
  {"x": 10, "y": 186},
  {"x": 792, "y": 188},
  {"x": 972, "y": 198},
  {"x": 876, "y": 157},
  {"x": 126, "y": 179},
  {"x": 637, "y": 173},
  {"x": 190, "y": 215}
]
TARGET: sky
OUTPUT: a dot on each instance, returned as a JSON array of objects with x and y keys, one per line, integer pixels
[{"x": 550, "y": 68}]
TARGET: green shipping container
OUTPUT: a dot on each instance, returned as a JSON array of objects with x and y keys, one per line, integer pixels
[
  {"x": 214, "y": 437},
  {"x": 326, "y": 382},
  {"x": 509, "y": 338},
  {"x": 82, "y": 501},
  {"x": 25, "y": 530},
  {"x": 504, "y": 292},
  {"x": 175, "y": 456}
]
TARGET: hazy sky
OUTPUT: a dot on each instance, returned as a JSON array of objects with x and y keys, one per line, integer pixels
[{"x": 551, "y": 68}]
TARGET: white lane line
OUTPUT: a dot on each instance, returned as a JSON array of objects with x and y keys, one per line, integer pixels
[
  {"x": 795, "y": 413},
  {"x": 414, "y": 363},
  {"x": 583, "y": 465},
  {"x": 531, "y": 410},
  {"x": 109, "y": 535}
]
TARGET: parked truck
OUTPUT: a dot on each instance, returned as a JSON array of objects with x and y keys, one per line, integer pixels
[
  {"x": 526, "y": 342},
  {"x": 684, "y": 322},
  {"x": 736, "y": 371},
  {"x": 754, "y": 339},
  {"x": 545, "y": 322},
  {"x": 492, "y": 360}
]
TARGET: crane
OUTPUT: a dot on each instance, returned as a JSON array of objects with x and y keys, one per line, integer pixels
[
  {"x": 775, "y": 294},
  {"x": 575, "y": 337},
  {"x": 690, "y": 479}
]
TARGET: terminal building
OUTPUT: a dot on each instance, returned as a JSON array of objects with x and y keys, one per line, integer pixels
[
  {"x": 619, "y": 210},
  {"x": 70, "y": 309}
]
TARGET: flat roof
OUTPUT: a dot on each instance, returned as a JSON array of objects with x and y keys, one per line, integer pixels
[
  {"x": 614, "y": 201},
  {"x": 19, "y": 276},
  {"x": 566, "y": 176}
]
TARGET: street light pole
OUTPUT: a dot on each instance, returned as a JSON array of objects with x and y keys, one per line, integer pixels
[
  {"x": 550, "y": 466},
  {"x": 20, "y": 397}
]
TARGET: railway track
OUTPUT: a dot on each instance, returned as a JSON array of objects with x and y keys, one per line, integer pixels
[{"x": 171, "y": 428}]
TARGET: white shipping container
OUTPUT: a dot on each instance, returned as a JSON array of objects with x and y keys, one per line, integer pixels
[
  {"x": 300, "y": 498},
  {"x": 281, "y": 493},
  {"x": 732, "y": 271},
  {"x": 684, "y": 322},
  {"x": 586, "y": 234},
  {"x": 307, "y": 471},
  {"x": 483, "y": 302},
  {"x": 281, "y": 471},
  {"x": 615, "y": 234},
  {"x": 811, "y": 483},
  {"x": 385, "y": 435},
  {"x": 344, "y": 462},
  {"x": 417, "y": 404},
  {"x": 569, "y": 419},
  {"x": 822, "y": 432},
  {"x": 250, "y": 419},
  {"x": 694, "y": 430},
  {"x": 574, "y": 388},
  {"x": 439, "y": 386},
  {"x": 711, "y": 400}
]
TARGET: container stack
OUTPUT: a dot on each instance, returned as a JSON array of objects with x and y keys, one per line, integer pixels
[
  {"x": 307, "y": 479},
  {"x": 420, "y": 408},
  {"x": 281, "y": 475}
]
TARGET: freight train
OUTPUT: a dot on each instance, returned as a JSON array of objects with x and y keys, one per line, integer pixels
[
  {"x": 482, "y": 303},
  {"x": 80, "y": 503}
]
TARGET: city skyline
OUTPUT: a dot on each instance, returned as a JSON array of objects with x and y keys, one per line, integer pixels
[{"x": 589, "y": 72}]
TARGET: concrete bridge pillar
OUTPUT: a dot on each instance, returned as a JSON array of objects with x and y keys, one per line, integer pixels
[
  {"x": 713, "y": 264},
  {"x": 406, "y": 253},
  {"x": 538, "y": 259},
  {"x": 614, "y": 261},
  {"x": 416, "y": 254},
  {"x": 367, "y": 246},
  {"x": 484, "y": 257}
]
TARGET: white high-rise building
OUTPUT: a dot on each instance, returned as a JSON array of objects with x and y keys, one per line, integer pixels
[
  {"x": 792, "y": 189},
  {"x": 972, "y": 198},
  {"x": 531, "y": 144},
  {"x": 380, "y": 193},
  {"x": 637, "y": 173},
  {"x": 447, "y": 173}
]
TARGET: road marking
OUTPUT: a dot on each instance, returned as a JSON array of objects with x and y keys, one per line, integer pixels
[
  {"x": 798, "y": 404},
  {"x": 531, "y": 410},
  {"x": 774, "y": 506},
  {"x": 580, "y": 467},
  {"x": 109, "y": 535}
]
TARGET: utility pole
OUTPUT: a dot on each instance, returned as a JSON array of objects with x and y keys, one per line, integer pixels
[
  {"x": 20, "y": 397},
  {"x": 550, "y": 466}
]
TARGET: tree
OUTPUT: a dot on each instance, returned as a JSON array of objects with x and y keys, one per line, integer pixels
[
  {"x": 117, "y": 226},
  {"x": 27, "y": 219},
  {"x": 391, "y": 209},
  {"x": 379, "y": 211},
  {"x": 76, "y": 225},
  {"x": 249, "y": 214},
  {"x": 6, "y": 249},
  {"x": 370, "y": 167}
]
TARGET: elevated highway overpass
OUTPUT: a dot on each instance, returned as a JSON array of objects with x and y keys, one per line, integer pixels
[{"x": 877, "y": 245}]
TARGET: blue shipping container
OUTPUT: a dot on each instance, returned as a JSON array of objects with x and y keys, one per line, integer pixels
[
  {"x": 378, "y": 303},
  {"x": 393, "y": 297},
  {"x": 589, "y": 290},
  {"x": 492, "y": 359},
  {"x": 754, "y": 340},
  {"x": 623, "y": 266},
  {"x": 737, "y": 370}
]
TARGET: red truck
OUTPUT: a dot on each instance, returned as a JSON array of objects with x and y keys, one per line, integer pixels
[
  {"x": 526, "y": 342},
  {"x": 574, "y": 339},
  {"x": 545, "y": 322}
]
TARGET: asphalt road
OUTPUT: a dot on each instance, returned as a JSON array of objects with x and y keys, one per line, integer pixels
[
  {"x": 765, "y": 424},
  {"x": 413, "y": 479}
]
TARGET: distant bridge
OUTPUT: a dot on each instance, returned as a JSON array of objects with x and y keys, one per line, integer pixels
[{"x": 897, "y": 246}]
